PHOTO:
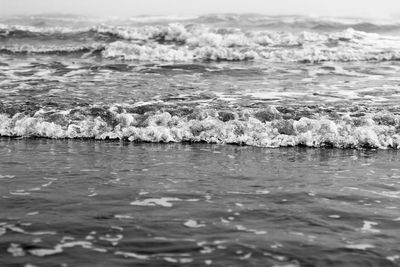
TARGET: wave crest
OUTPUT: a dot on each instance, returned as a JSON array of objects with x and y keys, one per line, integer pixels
[
  {"x": 178, "y": 42},
  {"x": 264, "y": 128}
]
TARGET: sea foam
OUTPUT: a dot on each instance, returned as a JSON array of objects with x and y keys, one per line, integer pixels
[{"x": 249, "y": 127}]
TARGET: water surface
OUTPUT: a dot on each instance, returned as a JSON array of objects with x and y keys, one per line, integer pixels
[{"x": 91, "y": 203}]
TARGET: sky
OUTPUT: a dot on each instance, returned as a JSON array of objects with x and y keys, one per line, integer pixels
[{"x": 355, "y": 8}]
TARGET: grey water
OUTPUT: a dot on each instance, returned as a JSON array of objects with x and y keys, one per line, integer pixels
[{"x": 91, "y": 203}]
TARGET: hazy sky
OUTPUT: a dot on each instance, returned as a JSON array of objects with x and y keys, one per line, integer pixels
[{"x": 375, "y": 8}]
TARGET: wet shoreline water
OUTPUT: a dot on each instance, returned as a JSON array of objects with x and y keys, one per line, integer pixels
[{"x": 85, "y": 203}]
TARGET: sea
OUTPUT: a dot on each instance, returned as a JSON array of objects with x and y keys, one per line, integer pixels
[{"x": 213, "y": 140}]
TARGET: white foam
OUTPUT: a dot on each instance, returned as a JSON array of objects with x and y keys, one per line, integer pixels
[
  {"x": 393, "y": 258},
  {"x": 360, "y": 246},
  {"x": 390, "y": 194},
  {"x": 123, "y": 216},
  {"x": 193, "y": 224},
  {"x": 41, "y": 30},
  {"x": 41, "y": 252},
  {"x": 202, "y": 43},
  {"x": 16, "y": 250},
  {"x": 47, "y": 48},
  {"x": 42, "y": 233},
  {"x": 157, "y": 52},
  {"x": 132, "y": 255},
  {"x": 367, "y": 227},
  {"x": 164, "y": 202},
  {"x": 113, "y": 239},
  {"x": 19, "y": 193},
  {"x": 178, "y": 260},
  {"x": 343, "y": 132},
  {"x": 257, "y": 232},
  {"x": 7, "y": 176},
  {"x": 59, "y": 248}
]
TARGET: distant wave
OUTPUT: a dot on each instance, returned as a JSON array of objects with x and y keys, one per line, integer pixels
[
  {"x": 269, "y": 127},
  {"x": 52, "y": 49},
  {"x": 306, "y": 23},
  {"x": 32, "y": 31},
  {"x": 320, "y": 24},
  {"x": 178, "y": 44},
  {"x": 193, "y": 42},
  {"x": 170, "y": 18}
]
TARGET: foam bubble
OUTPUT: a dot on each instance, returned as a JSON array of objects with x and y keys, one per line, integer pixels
[
  {"x": 132, "y": 255},
  {"x": 16, "y": 250},
  {"x": 7, "y": 176},
  {"x": 164, "y": 202},
  {"x": 41, "y": 252},
  {"x": 360, "y": 246},
  {"x": 59, "y": 248},
  {"x": 193, "y": 224},
  {"x": 368, "y": 227}
]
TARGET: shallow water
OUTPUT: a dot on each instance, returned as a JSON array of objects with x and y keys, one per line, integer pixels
[{"x": 92, "y": 203}]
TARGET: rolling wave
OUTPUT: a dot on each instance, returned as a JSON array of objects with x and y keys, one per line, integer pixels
[
  {"x": 269, "y": 127},
  {"x": 178, "y": 42},
  {"x": 52, "y": 49}
]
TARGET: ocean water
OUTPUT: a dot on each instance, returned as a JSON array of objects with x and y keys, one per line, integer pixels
[{"x": 221, "y": 140}]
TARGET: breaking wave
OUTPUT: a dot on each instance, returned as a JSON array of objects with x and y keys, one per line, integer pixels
[
  {"x": 269, "y": 127},
  {"x": 177, "y": 42},
  {"x": 52, "y": 49}
]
